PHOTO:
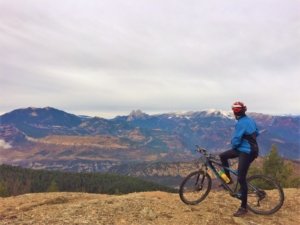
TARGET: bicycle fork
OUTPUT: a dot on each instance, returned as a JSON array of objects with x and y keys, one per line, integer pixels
[{"x": 199, "y": 185}]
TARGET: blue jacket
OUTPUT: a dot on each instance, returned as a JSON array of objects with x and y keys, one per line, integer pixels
[{"x": 244, "y": 126}]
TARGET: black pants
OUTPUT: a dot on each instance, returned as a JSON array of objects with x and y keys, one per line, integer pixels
[{"x": 244, "y": 163}]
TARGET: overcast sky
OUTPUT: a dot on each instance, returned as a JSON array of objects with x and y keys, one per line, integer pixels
[{"x": 108, "y": 57}]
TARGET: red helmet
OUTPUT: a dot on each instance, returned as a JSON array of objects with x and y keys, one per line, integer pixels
[{"x": 239, "y": 108}]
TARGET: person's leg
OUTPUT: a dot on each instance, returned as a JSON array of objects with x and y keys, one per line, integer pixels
[
  {"x": 230, "y": 154},
  {"x": 244, "y": 163}
]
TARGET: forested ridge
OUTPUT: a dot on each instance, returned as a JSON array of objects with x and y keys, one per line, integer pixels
[{"x": 17, "y": 180}]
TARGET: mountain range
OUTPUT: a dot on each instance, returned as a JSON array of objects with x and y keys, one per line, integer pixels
[{"x": 48, "y": 138}]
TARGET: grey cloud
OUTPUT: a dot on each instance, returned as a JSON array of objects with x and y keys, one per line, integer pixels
[{"x": 126, "y": 54}]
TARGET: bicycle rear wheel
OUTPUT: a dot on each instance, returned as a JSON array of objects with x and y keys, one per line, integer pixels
[
  {"x": 265, "y": 195},
  {"x": 195, "y": 187}
]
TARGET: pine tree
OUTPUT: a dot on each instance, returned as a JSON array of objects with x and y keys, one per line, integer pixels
[
  {"x": 3, "y": 190},
  {"x": 274, "y": 166},
  {"x": 53, "y": 187}
]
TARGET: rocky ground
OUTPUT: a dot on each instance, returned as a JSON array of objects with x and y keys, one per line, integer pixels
[{"x": 137, "y": 209}]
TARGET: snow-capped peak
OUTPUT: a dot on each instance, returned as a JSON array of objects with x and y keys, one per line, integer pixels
[
  {"x": 203, "y": 113},
  {"x": 217, "y": 112}
]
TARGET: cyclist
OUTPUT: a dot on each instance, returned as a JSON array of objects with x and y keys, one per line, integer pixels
[{"x": 244, "y": 146}]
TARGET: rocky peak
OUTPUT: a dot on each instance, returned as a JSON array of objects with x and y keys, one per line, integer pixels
[{"x": 137, "y": 114}]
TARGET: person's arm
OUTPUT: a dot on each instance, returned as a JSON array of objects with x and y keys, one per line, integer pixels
[{"x": 237, "y": 135}]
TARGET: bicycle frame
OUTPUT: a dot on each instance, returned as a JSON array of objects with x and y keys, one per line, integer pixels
[{"x": 211, "y": 164}]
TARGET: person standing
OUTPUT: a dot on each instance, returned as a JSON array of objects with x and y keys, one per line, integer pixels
[{"x": 244, "y": 146}]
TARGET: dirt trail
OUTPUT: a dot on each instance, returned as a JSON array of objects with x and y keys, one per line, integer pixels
[{"x": 149, "y": 208}]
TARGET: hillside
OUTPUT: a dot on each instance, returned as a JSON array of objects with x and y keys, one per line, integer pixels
[
  {"x": 172, "y": 173},
  {"x": 137, "y": 209}
]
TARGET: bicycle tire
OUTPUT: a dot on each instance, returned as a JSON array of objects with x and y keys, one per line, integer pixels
[
  {"x": 264, "y": 191},
  {"x": 198, "y": 180}
]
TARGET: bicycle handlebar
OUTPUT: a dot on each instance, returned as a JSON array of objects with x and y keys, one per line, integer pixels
[
  {"x": 205, "y": 152},
  {"x": 202, "y": 151}
]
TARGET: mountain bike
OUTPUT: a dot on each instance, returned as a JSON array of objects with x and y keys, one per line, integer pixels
[{"x": 265, "y": 195}]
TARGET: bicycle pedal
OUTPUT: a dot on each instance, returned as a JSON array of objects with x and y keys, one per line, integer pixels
[{"x": 237, "y": 195}]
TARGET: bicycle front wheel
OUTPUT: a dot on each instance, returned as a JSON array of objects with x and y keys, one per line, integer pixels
[
  {"x": 265, "y": 195},
  {"x": 195, "y": 187}
]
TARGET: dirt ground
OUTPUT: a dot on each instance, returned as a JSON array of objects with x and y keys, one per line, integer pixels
[{"x": 145, "y": 208}]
